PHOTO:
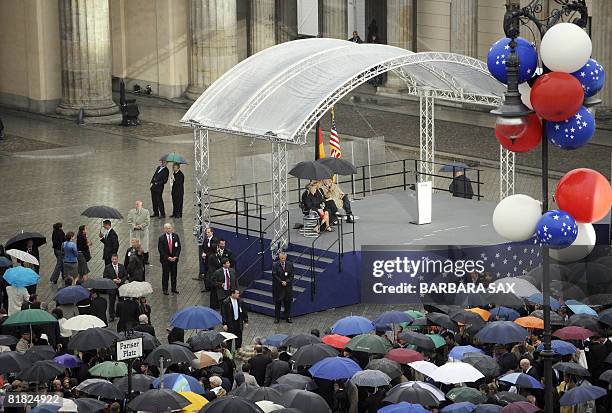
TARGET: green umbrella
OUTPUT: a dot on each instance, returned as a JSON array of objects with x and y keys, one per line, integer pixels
[
  {"x": 369, "y": 343},
  {"x": 414, "y": 314},
  {"x": 29, "y": 318},
  {"x": 174, "y": 158},
  {"x": 109, "y": 369},
  {"x": 437, "y": 339},
  {"x": 465, "y": 394}
]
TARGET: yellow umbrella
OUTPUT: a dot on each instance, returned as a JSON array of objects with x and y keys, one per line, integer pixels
[{"x": 197, "y": 401}]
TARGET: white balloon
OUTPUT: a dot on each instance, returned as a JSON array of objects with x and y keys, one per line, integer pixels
[
  {"x": 516, "y": 217},
  {"x": 565, "y": 48},
  {"x": 580, "y": 248},
  {"x": 525, "y": 91}
]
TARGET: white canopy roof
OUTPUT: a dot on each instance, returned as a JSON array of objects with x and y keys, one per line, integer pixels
[{"x": 282, "y": 91}]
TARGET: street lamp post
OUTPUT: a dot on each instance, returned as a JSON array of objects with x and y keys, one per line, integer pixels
[{"x": 512, "y": 113}]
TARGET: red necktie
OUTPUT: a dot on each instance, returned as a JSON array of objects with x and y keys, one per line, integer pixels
[
  {"x": 227, "y": 279},
  {"x": 170, "y": 244}
]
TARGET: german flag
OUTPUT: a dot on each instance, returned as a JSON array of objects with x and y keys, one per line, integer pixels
[{"x": 319, "y": 147}]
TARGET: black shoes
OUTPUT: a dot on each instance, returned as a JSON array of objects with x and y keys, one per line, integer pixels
[
  {"x": 174, "y": 292},
  {"x": 290, "y": 321},
  {"x": 166, "y": 293},
  {"x": 154, "y": 216},
  {"x": 276, "y": 321}
]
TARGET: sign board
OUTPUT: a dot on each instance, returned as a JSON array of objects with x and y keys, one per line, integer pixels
[
  {"x": 423, "y": 203},
  {"x": 129, "y": 349}
]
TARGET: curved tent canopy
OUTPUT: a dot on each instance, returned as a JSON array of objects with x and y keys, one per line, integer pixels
[{"x": 282, "y": 91}]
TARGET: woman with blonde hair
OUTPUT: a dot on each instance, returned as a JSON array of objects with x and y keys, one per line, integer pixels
[{"x": 134, "y": 261}]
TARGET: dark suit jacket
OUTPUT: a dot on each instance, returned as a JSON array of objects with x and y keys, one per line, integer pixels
[
  {"x": 111, "y": 244},
  {"x": 98, "y": 307},
  {"x": 127, "y": 311},
  {"x": 160, "y": 178},
  {"x": 178, "y": 185},
  {"x": 278, "y": 276},
  {"x": 214, "y": 260},
  {"x": 227, "y": 312},
  {"x": 259, "y": 364},
  {"x": 162, "y": 247},
  {"x": 218, "y": 280},
  {"x": 109, "y": 272},
  {"x": 209, "y": 250},
  {"x": 275, "y": 370}
]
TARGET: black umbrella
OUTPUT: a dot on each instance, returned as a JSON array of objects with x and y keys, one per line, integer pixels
[
  {"x": 598, "y": 299},
  {"x": 606, "y": 376},
  {"x": 413, "y": 394},
  {"x": 303, "y": 398},
  {"x": 20, "y": 240},
  {"x": 297, "y": 381},
  {"x": 289, "y": 410},
  {"x": 299, "y": 340},
  {"x": 231, "y": 404},
  {"x": 256, "y": 394},
  {"x": 389, "y": 367},
  {"x": 311, "y": 353},
  {"x": 418, "y": 339},
  {"x": 100, "y": 284},
  {"x": 338, "y": 165},
  {"x": 508, "y": 397},
  {"x": 171, "y": 354},
  {"x": 140, "y": 383},
  {"x": 505, "y": 299},
  {"x": 205, "y": 340},
  {"x": 311, "y": 170},
  {"x": 487, "y": 408},
  {"x": 102, "y": 211},
  {"x": 442, "y": 320},
  {"x": 13, "y": 362},
  {"x": 93, "y": 339},
  {"x": 483, "y": 363},
  {"x": 104, "y": 390},
  {"x": 89, "y": 405},
  {"x": 584, "y": 321},
  {"x": 41, "y": 371},
  {"x": 555, "y": 319},
  {"x": 570, "y": 367},
  {"x": 466, "y": 317},
  {"x": 149, "y": 342},
  {"x": 158, "y": 400},
  {"x": 38, "y": 353},
  {"x": 6, "y": 340}
]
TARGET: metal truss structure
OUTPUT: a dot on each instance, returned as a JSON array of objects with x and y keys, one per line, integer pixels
[
  {"x": 200, "y": 179},
  {"x": 279, "y": 194},
  {"x": 506, "y": 172},
  {"x": 427, "y": 135}
]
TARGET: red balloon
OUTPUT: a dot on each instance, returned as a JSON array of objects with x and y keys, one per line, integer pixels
[
  {"x": 527, "y": 140},
  {"x": 556, "y": 96},
  {"x": 585, "y": 194}
]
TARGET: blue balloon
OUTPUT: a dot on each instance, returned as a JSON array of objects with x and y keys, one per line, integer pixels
[
  {"x": 574, "y": 132},
  {"x": 499, "y": 52},
  {"x": 592, "y": 77},
  {"x": 557, "y": 229}
]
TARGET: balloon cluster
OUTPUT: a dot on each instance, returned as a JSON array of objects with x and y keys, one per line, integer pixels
[{"x": 583, "y": 195}]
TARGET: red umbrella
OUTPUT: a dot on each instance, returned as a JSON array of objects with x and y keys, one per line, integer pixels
[
  {"x": 336, "y": 340},
  {"x": 573, "y": 333},
  {"x": 520, "y": 407},
  {"x": 404, "y": 355}
]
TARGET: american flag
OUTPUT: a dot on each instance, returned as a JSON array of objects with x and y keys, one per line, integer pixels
[{"x": 334, "y": 140}]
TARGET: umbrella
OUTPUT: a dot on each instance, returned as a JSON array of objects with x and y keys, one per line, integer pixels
[
  {"x": 255, "y": 393},
  {"x": 311, "y": 170},
  {"x": 437, "y": 339},
  {"x": 30, "y": 317},
  {"x": 5, "y": 262},
  {"x": 299, "y": 340},
  {"x": 454, "y": 166},
  {"x": 23, "y": 256},
  {"x": 136, "y": 289},
  {"x": 334, "y": 368},
  {"x": 370, "y": 378},
  {"x": 335, "y": 340},
  {"x": 45, "y": 408},
  {"x": 104, "y": 390},
  {"x": 606, "y": 376},
  {"x": 418, "y": 339},
  {"x": 338, "y": 165},
  {"x": 555, "y": 319},
  {"x": 488, "y": 408},
  {"x": 205, "y": 340},
  {"x": 579, "y": 308},
  {"x": 424, "y": 367},
  {"x": 38, "y": 353},
  {"x": 502, "y": 332},
  {"x": 93, "y": 339},
  {"x": 267, "y": 406},
  {"x": 158, "y": 400},
  {"x": 484, "y": 314},
  {"x": 352, "y": 325},
  {"x": 289, "y": 410},
  {"x": 392, "y": 317},
  {"x": 13, "y": 362},
  {"x": 403, "y": 407},
  {"x": 520, "y": 407},
  {"x": 522, "y": 288},
  {"x": 309, "y": 354},
  {"x": 442, "y": 320},
  {"x": 100, "y": 284},
  {"x": 87, "y": 382},
  {"x": 89, "y": 405},
  {"x": 228, "y": 336},
  {"x": 109, "y": 369},
  {"x": 461, "y": 407},
  {"x": 417, "y": 324},
  {"x": 404, "y": 355},
  {"x": 301, "y": 398},
  {"x": 171, "y": 354},
  {"x": 83, "y": 322},
  {"x": 369, "y": 343},
  {"x": 456, "y": 372},
  {"x": 466, "y": 317},
  {"x": 538, "y": 298},
  {"x": 573, "y": 333},
  {"x": 389, "y": 367},
  {"x": 196, "y": 318},
  {"x": 68, "y": 361},
  {"x": 102, "y": 211},
  {"x": 231, "y": 404},
  {"x": 508, "y": 397},
  {"x": 297, "y": 381},
  {"x": 458, "y": 352},
  {"x": 439, "y": 394},
  {"x": 19, "y": 241},
  {"x": 275, "y": 340},
  {"x": 483, "y": 363},
  {"x": 571, "y": 368},
  {"x": 179, "y": 383},
  {"x": 581, "y": 394},
  {"x": 606, "y": 317},
  {"x": 140, "y": 382},
  {"x": 595, "y": 299},
  {"x": 563, "y": 348},
  {"x": 208, "y": 358},
  {"x": 530, "y": 322},
  {"x": 6, "y": 340},
  {"x": 21, "y": 276},
  {"x": 71, "y": 295},
  {"x": 149, "y": 342},
  {"x": 522, "y": 380},
  {"x": 41, "y": 371},
  {"x": 174, "y": 158},
  {"x": 465, "y": 394},
  {"x": 584, "y": 321},
  {"x": 411, "y": 394},
  {"x": 197, "y": 401}
]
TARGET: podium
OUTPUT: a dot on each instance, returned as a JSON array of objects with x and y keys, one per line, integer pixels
[{"x": 423, "y": 203}]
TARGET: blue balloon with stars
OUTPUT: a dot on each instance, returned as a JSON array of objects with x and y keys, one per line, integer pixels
[
  {"x": 499, "y": 53},
  {"x": 592, "y": 76},
  {"x": 574, "y": 132},
  {"x": 557, "y": 229}
]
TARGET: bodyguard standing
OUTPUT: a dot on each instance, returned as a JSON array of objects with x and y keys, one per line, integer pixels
[
  {"x": 235, "y": 316},
  {"x": 159, "y": 179},
  {"x": 169, "y": 247},
  {"x": 282, "y": 286},
  {"x": 225, "y": 282},
  {"x": 139, "y": 220},
  {"x": 116, "y": 272},
  {"x": 178, "y": 190},
  {"x": 110, "y": 240}
]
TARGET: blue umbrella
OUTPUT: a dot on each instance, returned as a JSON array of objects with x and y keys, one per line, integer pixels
[
  {"x": 560, "y": 347},
  {"x": 403, "y": 407},
  {"x": 181, "y": 382},
  {"x": 275, "y": 339},
  {"x": 71, "y": 295},
  {"x": 458, "y": 352},
  {"x": 522, "y": 380},
  {"x": 579, "y": 308},
  {"x": 454, "y": 166},
  {"x": 68, "y": 360},
  {"x": 334, "y": 368},
  {"x": 502, "y": 332},
  {"x": 582, "y": 394},
  {"x": 5, "y": 262},
  {"x": 461, "y": 407},
  {"x": 505, "y": 313},
  {"x": 538, "y": 299},
  {"x": 392, "y": 317},
  {"x": 21, "y": 276},
  {"x": 46, "y": 408},
  {"x": 196, "y": 318},
  {"x": 352, "y": 325},
  {"x": 488, "y": 408}
]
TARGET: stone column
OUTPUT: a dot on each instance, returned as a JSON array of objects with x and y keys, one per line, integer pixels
[
  {"x": 464, "y": 27},
  {"x": 212, "y": 42},
  {"x": 286, "y": 20},
  {"x": 262, "y": 33},
  {"x": 399, "y": 34},
  {"x": 333, "y": 19},
  {"x": 86, "y": 58},
  {"x": 601, "y": 10}
]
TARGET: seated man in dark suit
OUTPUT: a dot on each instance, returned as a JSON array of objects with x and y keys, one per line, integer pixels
[{"x": 116, "y": 272}]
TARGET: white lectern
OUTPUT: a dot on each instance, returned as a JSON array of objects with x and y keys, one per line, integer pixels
[{"x": 423, "y": 203}]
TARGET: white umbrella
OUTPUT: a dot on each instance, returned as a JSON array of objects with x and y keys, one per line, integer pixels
[
  {"x": 423, "y": 367},
  {"x": 521, "y": 287},
  {"x": 83, "y": 322},
  {"x": 455, "y": 372},
  {"x": 228, "y": 336},
  {"x": 68, "y": 405},
  {"x": 23, "y": 256},
  {"x": 267, "y": 406},
  {"x": 439, "y": 394},
  {"x": 135, "y": 289}
]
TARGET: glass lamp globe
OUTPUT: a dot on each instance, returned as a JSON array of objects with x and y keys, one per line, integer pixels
[{"x": 511, "y": 127}]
